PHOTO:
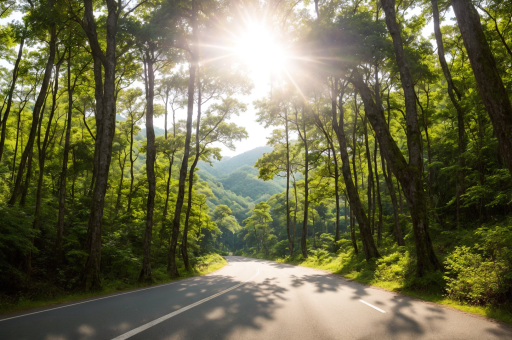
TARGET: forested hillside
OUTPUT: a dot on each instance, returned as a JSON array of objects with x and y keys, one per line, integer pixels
[
  {"x": 238, "y": 174},
  {"x": 389, "y": 158}
]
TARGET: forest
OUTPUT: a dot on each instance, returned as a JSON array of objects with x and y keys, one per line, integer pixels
[{"x": 389, "y": 157}]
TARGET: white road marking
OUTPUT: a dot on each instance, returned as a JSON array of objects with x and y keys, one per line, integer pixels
[
  {"x": 368, "y": 304},
  {"x": 179, "y": 311},
  {"x": 105, "y": 297},
  {"x": 79, "y": 303}
]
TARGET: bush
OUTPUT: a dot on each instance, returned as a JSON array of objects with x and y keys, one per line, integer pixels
[
  {"x": 393, "y": 266},
  {"x": 280, "y": 249},
  {"x": 470, "y": 278}
]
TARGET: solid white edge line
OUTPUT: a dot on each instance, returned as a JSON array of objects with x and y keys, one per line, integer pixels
[
  {"x": 368, "y": 304},
  {"x": 105, "y": 297},
  {"x": 179, "y": 311}
]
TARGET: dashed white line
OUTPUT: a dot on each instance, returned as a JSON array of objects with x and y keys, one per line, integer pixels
[
  {"x": 369, "y": 304},
  {"x": 179, "y": 311}
]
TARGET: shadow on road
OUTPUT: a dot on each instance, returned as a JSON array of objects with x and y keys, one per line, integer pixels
[{"x": 249, "y": 309}]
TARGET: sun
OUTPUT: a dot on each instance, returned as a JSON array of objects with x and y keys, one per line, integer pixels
[{"x": 260, "y": 50}]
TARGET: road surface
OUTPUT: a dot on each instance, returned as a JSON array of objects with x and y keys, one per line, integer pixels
[{"x": 251, "y": 299}]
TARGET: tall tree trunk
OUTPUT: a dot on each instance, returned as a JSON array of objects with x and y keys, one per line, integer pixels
[
  {"x": 314, "y": 235},
  {"x": 371, "y": 208},
  {"x": 354, "y": 141},
  {"x": 64, "y": 171},
  {"x": 345, "y": 212},
  {"x": 3, "y": 121},
  {"x": 166, "y": 101},
  {"x": 290, "y": 239},
  {"x": 121, "y": 180},
  {"x": 356, "y": 206},
  {"x": 28, "y": 175},
  {"x": 410, "y": 175},
  {"x": 145, "y": 273},
  {"x": 105, "y": 94},
  {"x": 452, "y": 91},
  {"x": 36, "y": 112},
  {"x": 42, "y": 158},
  {"x": 379, "y": 202},
  {"x": 184, "y": 164},
  {"x": 295, "y": 210},
  {"x": 353, "y": 231},
  {"x": 334, "y": 94},
  {"x": 184, "y": 247},
  {"x": 304, "y": 137},
  {"x": 132, "y": 161},
  {"x": 488, "y": 79},
  {"x": 389, "y": 183},
  {"x": 13, "y": 179},
  {"x": 336, "y": 195}
]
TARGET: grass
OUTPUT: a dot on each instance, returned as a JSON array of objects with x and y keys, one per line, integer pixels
[
  {"x": 210, "y": 264},
  {"x": 355, "y": 268}
]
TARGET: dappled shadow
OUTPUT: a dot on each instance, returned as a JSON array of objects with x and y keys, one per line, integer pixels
[
  {"x": 108, "y": 317},
  {"x": 244, "y": 309},
  {"x": 274, "y": 304}
]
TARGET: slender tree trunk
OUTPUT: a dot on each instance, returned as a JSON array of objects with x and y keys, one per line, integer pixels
[
  {"x": 184, "y": 164},
  {"x": 63, "y": 174},
  {"x": 35, "y": 114},
  {"x": 121, "y": 180},
  {"x": 145, "y": 273},
  {"x": 3, "y": 121},
  {"x": 356, "y": 206},
  {"x": 304, "y": 138},
  {"x": 13, "y": 179},
  {"x": 354, "y": 140},
  {"x": 489, "y": 83},
  {"x": 410, "y": 175},
  {"x": 389, "y": 183},
  {"x": 345, "y": 212},
  {"x": 191, "y": 176},
  {"x": 314, "y": 235},
  {"x": 290, "y": 239},
  {"x": 337, "y": 196},
  {"x": 371, "y": 207},
  {"x": 28, "y": 175},
  {"x": 334, "y": 94},
  {"x": 42, "y": 158},
  {"x": 105, "y": 95},
  {"x": 132, "y": 161},
  {"x": 296, "y": 208},
  {"x": 166, "y": 111},
  {"x": 379, "y": 202},
  {"x": 452, "y": 91},
  {"x": 353, "y": 232}
]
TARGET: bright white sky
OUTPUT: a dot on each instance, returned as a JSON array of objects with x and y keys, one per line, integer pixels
[{"x": 261, "y": 65}]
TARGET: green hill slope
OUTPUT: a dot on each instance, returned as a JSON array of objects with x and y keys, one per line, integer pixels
[{"x": 234, "y": 182}]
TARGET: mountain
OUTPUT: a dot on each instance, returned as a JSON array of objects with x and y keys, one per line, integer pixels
[
  {"x": 235, "y": 183},
  {"x": 158, "y": 131},
  {"x": 229, "y": 164}
]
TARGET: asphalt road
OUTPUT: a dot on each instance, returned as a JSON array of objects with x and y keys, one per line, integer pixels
[{"x": 251, "y": 299}]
